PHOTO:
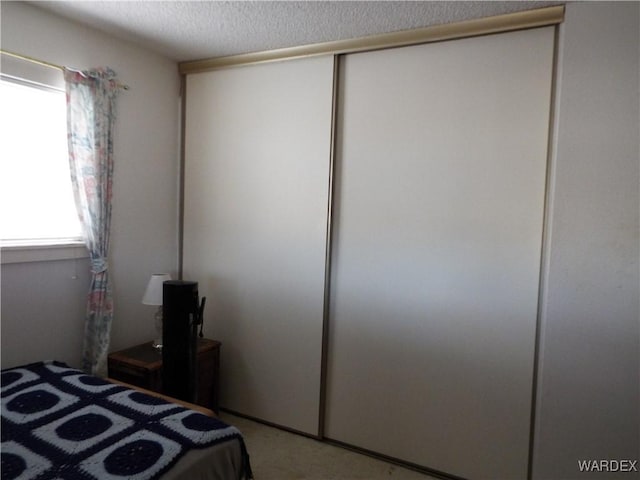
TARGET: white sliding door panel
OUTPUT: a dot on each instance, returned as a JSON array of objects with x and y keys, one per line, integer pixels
[
  {"x": 440, "y": 185},
  {"x": 256, "y": 193}
]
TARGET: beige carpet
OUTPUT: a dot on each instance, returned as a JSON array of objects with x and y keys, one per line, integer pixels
[{"x": 279, "y": 455}]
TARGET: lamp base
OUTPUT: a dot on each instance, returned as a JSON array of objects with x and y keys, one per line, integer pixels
[{"x": 157, "y": 343}]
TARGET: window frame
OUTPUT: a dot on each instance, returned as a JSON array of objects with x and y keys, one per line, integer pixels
[
  {"x": 45, "y": 252},
  {"x": 37, "y": 250}
]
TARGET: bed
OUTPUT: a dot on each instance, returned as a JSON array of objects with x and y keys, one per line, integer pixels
[{"x": 60, "y": 423}]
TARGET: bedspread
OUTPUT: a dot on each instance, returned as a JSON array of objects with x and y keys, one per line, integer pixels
[{"x": 60, "y": 423}]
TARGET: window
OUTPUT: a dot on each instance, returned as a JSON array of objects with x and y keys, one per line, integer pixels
[{"x": 36, "y": 198}]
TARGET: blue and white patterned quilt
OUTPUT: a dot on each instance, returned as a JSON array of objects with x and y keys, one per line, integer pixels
[{"x": 59, "y": 423}]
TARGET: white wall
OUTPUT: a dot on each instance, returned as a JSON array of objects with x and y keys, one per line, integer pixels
[
  {"x": 42, "y": 305},
  {"x": 588, "y": 392}
]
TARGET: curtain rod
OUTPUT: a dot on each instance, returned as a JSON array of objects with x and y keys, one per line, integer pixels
[{"x": 42, "y": 63}]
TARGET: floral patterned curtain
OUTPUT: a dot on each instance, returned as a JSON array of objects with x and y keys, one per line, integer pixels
[{"x": 91, "y": 96}]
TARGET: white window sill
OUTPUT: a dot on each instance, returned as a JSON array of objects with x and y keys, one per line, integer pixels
[{"x": 45, "y": 251}]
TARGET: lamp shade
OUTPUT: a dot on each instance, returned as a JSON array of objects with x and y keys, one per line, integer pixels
[{"x": 153, "y": 294}]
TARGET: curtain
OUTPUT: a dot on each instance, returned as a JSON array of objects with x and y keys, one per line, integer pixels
[{"x": 91, "y": 96}]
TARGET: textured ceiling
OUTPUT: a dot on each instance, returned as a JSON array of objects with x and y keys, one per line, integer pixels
[{"x": 194, "y": 30}]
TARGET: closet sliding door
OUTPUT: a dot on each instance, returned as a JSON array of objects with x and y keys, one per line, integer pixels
[
  {"x": 257, "y": 162},
  {"x": 438, "y": 217}
]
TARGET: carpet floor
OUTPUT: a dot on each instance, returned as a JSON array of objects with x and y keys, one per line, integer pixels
[{"x": 279, "y": 455}]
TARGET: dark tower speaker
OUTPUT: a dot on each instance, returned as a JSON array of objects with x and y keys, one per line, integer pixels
[{"x": 181, "y": 315}]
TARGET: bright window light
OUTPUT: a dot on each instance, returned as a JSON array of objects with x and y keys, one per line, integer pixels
[{"x": 36, "y": 197}]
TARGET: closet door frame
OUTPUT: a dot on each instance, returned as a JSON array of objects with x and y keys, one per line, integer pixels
[
  {"x": 548, "y": 16},
  {"x": 257, "y": 168},
  {"x": 518, "y": 325}
]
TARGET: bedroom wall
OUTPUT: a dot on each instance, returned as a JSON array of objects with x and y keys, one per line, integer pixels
[
  {"x": 588, "y": 393},
  {"x": 42, "y": 303}
]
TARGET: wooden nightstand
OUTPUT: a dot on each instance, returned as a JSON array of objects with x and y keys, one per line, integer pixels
[{"x": 142, "y": 366}]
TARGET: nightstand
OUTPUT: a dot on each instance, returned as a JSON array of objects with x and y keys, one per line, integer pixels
[{"x": 142, "y": 366}]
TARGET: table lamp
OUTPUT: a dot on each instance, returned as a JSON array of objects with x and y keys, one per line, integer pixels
[{"x": 153, "y": 296}]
